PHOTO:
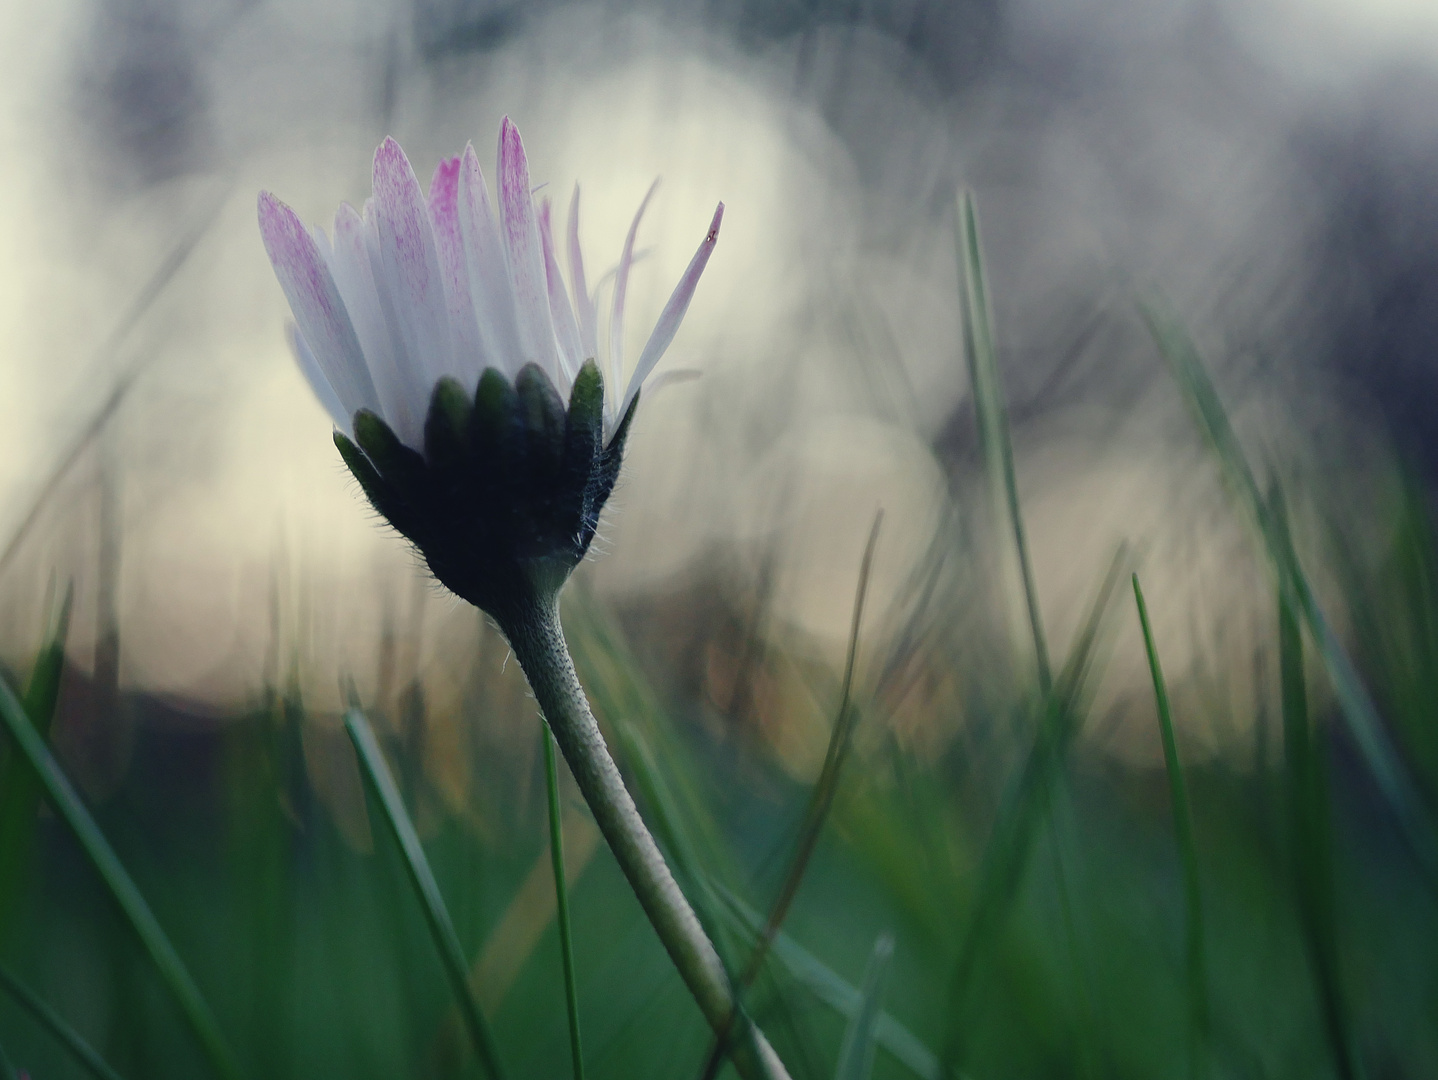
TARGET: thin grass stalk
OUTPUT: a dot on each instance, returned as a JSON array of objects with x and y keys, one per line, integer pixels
[
  {"x": 441, "y": 927},
  {"x": 7, "y": 1069},
  {"x": 1187, "y": 849},
  {"x": 856, "y": 1053},
  {"x": 68, "y": 1036},
  {"x": 1006, "y": 854},
  {"x": 821, "y": 801},
  {"x": 561, "y": 901},
  {"x": 1310, "y": 844},
  {"x": 67, "y": 803},
  {"x": 993, "y": 419},
  {"x": 1356, "y": 704}
]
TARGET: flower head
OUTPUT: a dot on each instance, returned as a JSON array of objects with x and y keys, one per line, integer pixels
[{"x": 440, "y": 335}]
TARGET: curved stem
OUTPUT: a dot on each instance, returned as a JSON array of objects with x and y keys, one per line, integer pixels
[{"x": 538, "y": 643}]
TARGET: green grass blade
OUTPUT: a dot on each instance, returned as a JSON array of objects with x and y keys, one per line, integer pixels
[
  {"x": 451, "y": 955},
  {"x": 71, "y": 809},
  {"x": 993, "y": 420},
  {"x": 19, "y": 786},
  {"x": 561, "y": 899},
  {"x": 1183, "y": 829},
  {"x": 1358, "y": 710},
  {"x": 856, "y": 1054},
  {"x": 72, "y": 1039},
  {"x": 1310, "y": 838},
  {"x": 1006, "y": 854},
  {"x": 829, "y": 987},
  {"x": 7, "y": 1069}
]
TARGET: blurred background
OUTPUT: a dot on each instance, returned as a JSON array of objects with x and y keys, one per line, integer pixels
[{"x": 1267, "y": 170}]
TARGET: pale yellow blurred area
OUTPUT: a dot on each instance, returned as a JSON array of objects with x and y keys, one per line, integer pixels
[{"x": 831, "y": 357}]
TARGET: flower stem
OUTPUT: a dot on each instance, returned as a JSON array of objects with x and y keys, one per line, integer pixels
[{"x": 535, "y": 635}]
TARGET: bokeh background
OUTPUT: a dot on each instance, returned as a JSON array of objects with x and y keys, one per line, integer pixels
[{"x": 1268, "y": 168}]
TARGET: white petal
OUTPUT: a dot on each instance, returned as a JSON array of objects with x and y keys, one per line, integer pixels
[
  {"x": 566, "y": 330},
  {"x": 673, "y": 313},
  {"x": 491, "y": 291},
  {"x": 521, "y": 241},
  {"x": 588, "y": 324},
  {"x": 305, "y": 277},
  {"x": 408, "y": 268},
  {"x": 398, "y": 389},
  {"x": 469, "y": 355},
  {"x": 317, "y": 380},
  {"x": 616, "y": 320}
]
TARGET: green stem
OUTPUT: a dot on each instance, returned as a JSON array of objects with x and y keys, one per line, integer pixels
[
  {"x": 68, "y": 805},
  {"x": 561, "y": 899},
  {"x": 538, "y": 642},
  {"x": 451, "y": 955}
]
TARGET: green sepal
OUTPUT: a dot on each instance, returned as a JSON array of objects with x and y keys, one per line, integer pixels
[
  {"x": 584, "y": 426},
  {"x": 494, "y": 423},
  {"x": 447, "y": 427},
  {"x": 360, "y": 467},
  {"x": 395, "y": 461},
  {"x": 542, "y": 411}
]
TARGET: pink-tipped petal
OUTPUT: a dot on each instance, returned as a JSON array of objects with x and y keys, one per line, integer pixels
[
  {"x": 621, "y": 288},
  {"x": 469, "y": 356},
  {"x": 588, "y": 324},
  {"x": 673, "y": 313},
  {"x": 317, "y": 379},
  {"x": 308, "y": 285},
  {"x": 408, "y": 275},
  {"x": 490, "y": 288},
  {"x": 521, "y": 240},
  {"x": 353, "y": 265},
  {"x": 566, "y": 330}
]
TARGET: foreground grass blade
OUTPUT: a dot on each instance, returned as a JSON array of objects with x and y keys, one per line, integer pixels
[
  {"x": 993, "y": 419},
  {"x": 561, "y": 901},
  {"x": 19, "y": 786},
  {"x": 1310, "y": 841},
  {"x": 834, "y": 991},
  {"x": 1358, "y": 709},
  {"x": 1183, "y": 829},
  {"x": 82, "y": 1050},
  {"x": 821, "y": 800},
  {"x": 381, "y": 782},
  {"x": 69, "y": 807},
  {"x": 1006, "y": 855},
  {"x": 856, "y": 1054}
]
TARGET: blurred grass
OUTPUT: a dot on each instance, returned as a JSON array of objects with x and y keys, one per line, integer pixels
[{"x": 988, "y": 896}]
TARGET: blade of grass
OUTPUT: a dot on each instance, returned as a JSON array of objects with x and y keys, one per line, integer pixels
[
  {"x": 993, "y": 419},
  {"x": 19, "y": 786},
  {"x": 856, "y": 1053},
  {"x": 821, "y": 799},
  {"x": 73, "y": 1041},
  {"x": 381, "y": 782},
  {"x": 67, "y": 803},
  {"x": 1357, "y": 707},
  {"x": 1006, "y": 854},
  {"x": 561, "y": 900},
  {"x": 1308, "y": 828},
  {"x": 1188, "y": 851},
  {"x": 7, "y": 1070}
]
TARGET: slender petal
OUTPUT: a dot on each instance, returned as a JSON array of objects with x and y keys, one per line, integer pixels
[
  {"x": 566, "y": 330},
  {"x": 588, "y": 325},
  {"x": 408, "y": 271},
  {"x": 469, "y": 355},
  {"x": 673, "y": 313},
  {"x": 319, "y": 383},
  {"x": 396, "y": 388},
  {"x": 621, "y": 287},
  {"x": 521, "y": 241},
  {"x": 305, "y": 277},
  {"x": 489, "y": 284}
]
